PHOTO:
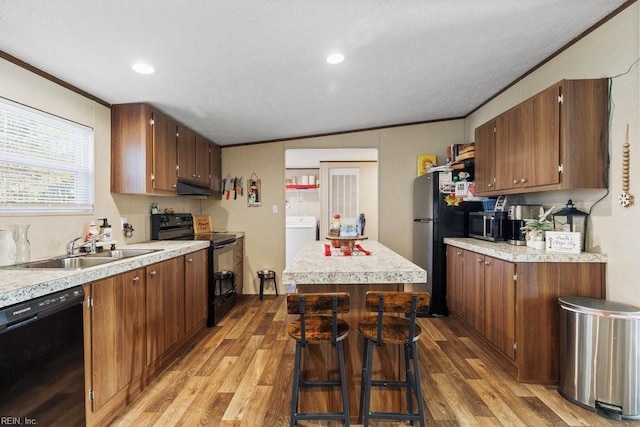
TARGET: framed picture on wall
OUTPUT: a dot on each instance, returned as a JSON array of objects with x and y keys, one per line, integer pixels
[{"x": 425, "y": 161}]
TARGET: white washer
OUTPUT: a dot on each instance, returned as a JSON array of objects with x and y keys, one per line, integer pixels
[{"x": 300, "y": 230}]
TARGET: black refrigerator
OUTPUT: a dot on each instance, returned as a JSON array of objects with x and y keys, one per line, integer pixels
[{"x": 433, "y": 220}]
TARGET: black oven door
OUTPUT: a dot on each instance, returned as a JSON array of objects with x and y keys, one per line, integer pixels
[{"x": 222, "y": 288}]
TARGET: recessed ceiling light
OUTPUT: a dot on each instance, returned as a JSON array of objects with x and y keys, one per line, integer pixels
[
  {"x": 143, "y": 68},
  {"x": 335, "y": 58}
]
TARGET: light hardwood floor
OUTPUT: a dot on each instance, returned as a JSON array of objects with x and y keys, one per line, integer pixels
[{"x": 239, "y": 374}]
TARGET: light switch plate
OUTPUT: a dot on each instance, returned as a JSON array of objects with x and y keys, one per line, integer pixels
[
  {"x": 274, "y": 209},
  {"x": 123, "y": 221}
]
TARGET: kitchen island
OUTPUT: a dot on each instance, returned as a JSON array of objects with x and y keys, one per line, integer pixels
[{"x": 313, "y": 271}]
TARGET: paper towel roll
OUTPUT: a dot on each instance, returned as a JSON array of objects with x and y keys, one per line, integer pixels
[
  {"x": 305, "y": 180},
  {"x": 312, "y": 180}
]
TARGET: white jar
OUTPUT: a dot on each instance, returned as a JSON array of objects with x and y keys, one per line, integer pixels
[{"x": 7, "y": 248}]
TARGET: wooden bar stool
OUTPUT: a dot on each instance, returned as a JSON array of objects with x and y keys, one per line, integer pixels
[
  {"x": 318, "y": 324},
  {"x": 265, "y": 275},
  {"x": 381, "y": 329}
]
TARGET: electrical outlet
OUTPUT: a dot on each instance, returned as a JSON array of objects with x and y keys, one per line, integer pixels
[
  {"x": 274, "y": 209},
  {"x": 123, "y": 221}
]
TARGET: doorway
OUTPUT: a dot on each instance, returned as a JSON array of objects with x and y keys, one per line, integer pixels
[{"x": 327, "y": 169}]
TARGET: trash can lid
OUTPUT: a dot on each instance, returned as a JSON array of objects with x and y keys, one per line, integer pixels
[{"x": 599, "y": 306}]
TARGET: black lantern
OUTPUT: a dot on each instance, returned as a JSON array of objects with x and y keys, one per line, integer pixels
[{"x": 570, "y": 218}]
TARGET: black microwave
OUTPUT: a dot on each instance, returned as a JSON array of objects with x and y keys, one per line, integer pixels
[{"x": 490, "y": 226}]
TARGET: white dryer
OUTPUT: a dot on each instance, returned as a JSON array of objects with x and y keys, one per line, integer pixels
[{"x": 300, "y": 230}]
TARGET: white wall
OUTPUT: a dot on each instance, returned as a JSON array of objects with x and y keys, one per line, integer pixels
[{"x": 608, "y": 51}]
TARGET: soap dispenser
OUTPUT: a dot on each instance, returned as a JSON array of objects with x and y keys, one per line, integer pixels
[{"x": 105, "y": 230}]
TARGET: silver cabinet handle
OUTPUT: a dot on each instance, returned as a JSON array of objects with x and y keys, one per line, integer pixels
[
  {"x": 190, "y": 260},
  {"x": 153, "y": 273},
  {"x": 135, "y": 279}
]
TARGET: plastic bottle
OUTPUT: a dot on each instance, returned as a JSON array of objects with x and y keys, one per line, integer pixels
[{"x": 93, "y": 231}]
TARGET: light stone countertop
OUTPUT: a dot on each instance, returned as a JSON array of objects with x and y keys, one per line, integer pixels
[
  {"x": 507, "y": 252},
  {"x": 311, "y": 266},
  {"x": 19, "y": 285}
]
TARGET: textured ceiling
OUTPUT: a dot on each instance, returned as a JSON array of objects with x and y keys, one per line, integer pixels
[{"x": 242, "y": 71}]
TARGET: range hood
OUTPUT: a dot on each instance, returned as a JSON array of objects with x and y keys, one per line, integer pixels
[{"x": 188, "y": 188}]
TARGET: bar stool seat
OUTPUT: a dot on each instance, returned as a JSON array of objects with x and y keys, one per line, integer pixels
[
  {"x": 318, "y": 324},
  {"x": 266, "y": 275},
  {"x": 387, "y": 329}
]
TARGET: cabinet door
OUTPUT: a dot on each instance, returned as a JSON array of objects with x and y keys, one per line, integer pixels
[
  {"x": 239, "y": 267},
  {"x": 474, "y": 284},
  {"x": 485, "y": 174},
  {"x": 500, "y": 297},
  {"x": 455, "y": 271},
  {"x": 164, "y": 152},
  {"x": 195, "y": 288},
  {"x": 215, "y": 170},
  {"x": 165, "y": 306},
  {"x": 202, "y": 160},
  {"x": 117, "y": 334},
  {"x": 186, "y": 152},
  {"x": 545, "y": 155},
  {"x": 514, "y": 146}
]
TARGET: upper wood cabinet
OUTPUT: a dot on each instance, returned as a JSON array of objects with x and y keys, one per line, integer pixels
[
  {"x": 193, "y": 155},
  {"x": 186, "y": 152},
  {"x": 553, "y": 141},
  {"x": 143, "y": 150},
  {"x": 215, "y": 170},
  {"x": 485, "y": 172}
]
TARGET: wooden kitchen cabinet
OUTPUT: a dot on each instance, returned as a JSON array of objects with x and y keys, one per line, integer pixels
[
  {"x": 165, "y": 312},
  {"x": 193, "y": 156},
  {"x": 239, "y": 265},
  {"x": 555, "y": 140},
  {"x": 136, "y": 324},
  {"x": 195, "y": 289},
  {"x": 485, "y": 145},
  {"x": 186, "y": 152},
  {"x": 519, "y": 312},
  {"x": 455, "y": 286},
  {"x": 215, "y": 170},
  {"x": 117, "y": 355},
  {"x": 499, "y": 304},
  {"x": 473, "y": 280},
  {"x": 143, "y": 150}
]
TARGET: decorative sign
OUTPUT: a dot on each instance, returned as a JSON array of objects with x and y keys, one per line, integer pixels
[
  {"x": 202, "y": 224},
  {"x": 254, "y": 192},
  {"x": 563, "y": 241},
  {"x": 425, "y": 161}
]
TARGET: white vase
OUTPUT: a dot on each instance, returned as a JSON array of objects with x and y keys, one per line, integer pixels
[
  {"x": 7, "y": 248},
  {"x": 538, "y": 244},
  {"x": 23, "y": 247}
]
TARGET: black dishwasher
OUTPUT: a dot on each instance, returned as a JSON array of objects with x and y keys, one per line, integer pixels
[{"x": 42, "y": 361}]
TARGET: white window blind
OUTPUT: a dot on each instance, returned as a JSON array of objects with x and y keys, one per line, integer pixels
[
  {"x": 343, "y": 194},
  {"x": 46, "y": 162}
]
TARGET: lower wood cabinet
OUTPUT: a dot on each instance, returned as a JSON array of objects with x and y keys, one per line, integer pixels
[
  {"x": 195, "y": 289},
  {"x": 165, "y": 306},
  {"x": 513, "y": 307},
  {"x": 239, "y": 265},
  {"x": 117, "y": 334},
  {"x": 136, "y": 324}
]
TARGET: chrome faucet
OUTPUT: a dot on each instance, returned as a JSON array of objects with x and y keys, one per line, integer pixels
[{"x": 71, "y": 246}]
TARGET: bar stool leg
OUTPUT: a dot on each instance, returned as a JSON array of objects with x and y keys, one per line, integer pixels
[
  {"x": 407, "y": 373},
  {"x": 296, "y": 386},
  {"x": 275, "y": 284},
  {"x": 416, "y": 376},
  {"x": 363, "y": 377},
  {"x": 366, "y": 381},
  {"x": 261, "y": 287},
  {"x": 343, "y": 383}
]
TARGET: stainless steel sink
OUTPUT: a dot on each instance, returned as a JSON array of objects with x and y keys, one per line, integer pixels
[
  {"x": 66, "y": 263},
  {"x": 84, "y": 261},
  {"x": 122, "y": 253}
]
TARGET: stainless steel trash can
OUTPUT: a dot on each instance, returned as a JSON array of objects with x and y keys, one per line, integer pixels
[{"x": 599, "y": 356}]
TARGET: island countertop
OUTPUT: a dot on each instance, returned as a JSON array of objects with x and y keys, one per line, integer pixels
[{"x": 312, "y": 266}]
